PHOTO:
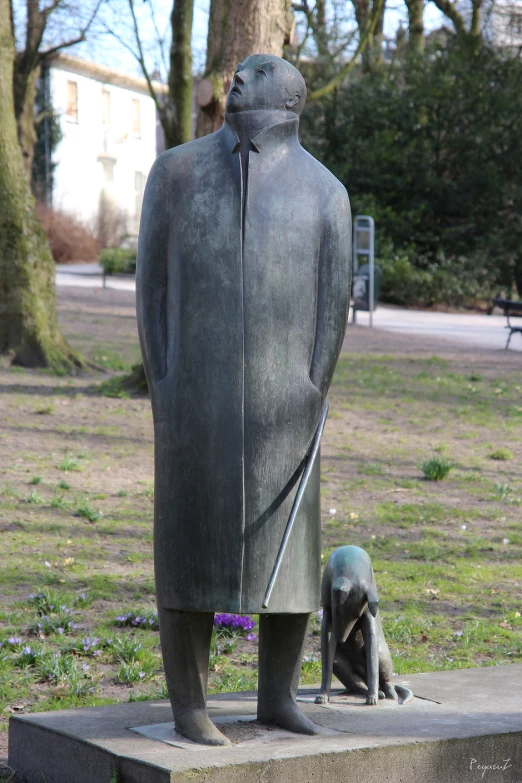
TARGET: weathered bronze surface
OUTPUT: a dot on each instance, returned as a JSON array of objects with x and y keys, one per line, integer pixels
[
  {"x": 243, "y": 287},
  {"x": 353, "y": 646}
]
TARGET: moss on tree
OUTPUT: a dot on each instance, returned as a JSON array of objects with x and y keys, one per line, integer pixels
[{"x": 29, "y": 333}]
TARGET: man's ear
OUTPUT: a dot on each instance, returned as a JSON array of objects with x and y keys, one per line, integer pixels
[
  {"x": 373, "y": 600},
  {"x": 293, "y": 101}
]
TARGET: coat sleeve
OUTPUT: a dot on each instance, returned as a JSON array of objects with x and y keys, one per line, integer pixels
[
  {"x": 151, "y": 275},
  {"x": 334, "y": 289}
]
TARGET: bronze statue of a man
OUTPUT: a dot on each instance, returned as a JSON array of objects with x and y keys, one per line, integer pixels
[{"x": 243, "y": 287}]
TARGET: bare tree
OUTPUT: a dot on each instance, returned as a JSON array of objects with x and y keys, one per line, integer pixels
[
  {"x": 236, "y": 30},
  {"x": 174, "y": 109},
  {"x": 330, "y": 33},
  {"x": 29, "y": 333},
  {"x": 48, "y": 29},
  {"x": 369, "y": 32},
  {"x": 365, "y": 11},
  {"x": 334, "y": 34},
  {"x": 415, "y": 25},
  {"x": 468, "y": 29}
]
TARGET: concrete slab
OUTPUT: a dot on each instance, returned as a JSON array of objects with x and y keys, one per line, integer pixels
[{"x": 462, "y": 726}]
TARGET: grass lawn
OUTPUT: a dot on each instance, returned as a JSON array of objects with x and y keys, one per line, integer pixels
[{"x": 77, "y": 622}]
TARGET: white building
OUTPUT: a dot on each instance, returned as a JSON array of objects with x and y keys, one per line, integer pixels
[{"x": 108, "y": 121}]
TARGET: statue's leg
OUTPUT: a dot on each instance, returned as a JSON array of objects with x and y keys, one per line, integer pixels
[
  {"x": 281, "y": 644},
  {"x": 346, "y": 674},
  {"x": 185, "y": 644}
]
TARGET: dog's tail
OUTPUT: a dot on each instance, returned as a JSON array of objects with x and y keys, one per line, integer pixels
[{"x": 404, "y": 694}]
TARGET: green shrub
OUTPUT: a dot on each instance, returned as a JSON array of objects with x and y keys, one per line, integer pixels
[
  {"x": 436, "y": 468},
  {"x": 501, "y": 454},
  {"x": 118, "y": 260},
  {"x": 87, "y": 512}
]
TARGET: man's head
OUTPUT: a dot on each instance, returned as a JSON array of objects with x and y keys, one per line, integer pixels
[{"x": 264, "y": 81}]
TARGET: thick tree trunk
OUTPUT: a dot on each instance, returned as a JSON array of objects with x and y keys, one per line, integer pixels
[
  {"x": 415, "y": 26},
  {"x": 180, "y": 74},
  {"x": 235, "y": 31},
  {"x": 29, "y": 332}
]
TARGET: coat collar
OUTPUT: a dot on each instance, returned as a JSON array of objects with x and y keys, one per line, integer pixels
[{"x": 271, "y": 136}]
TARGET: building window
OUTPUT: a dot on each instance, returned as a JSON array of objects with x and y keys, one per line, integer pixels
[
  {"x": 136, "y": 117},
  {"x": 106, "y": 108},
  {"x": 72, "y": 101}
]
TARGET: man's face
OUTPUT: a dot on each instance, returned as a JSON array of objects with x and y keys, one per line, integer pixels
[{"x": 258, "y": 83}]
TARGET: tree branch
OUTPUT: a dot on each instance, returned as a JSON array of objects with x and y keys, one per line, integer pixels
[
  {"x": 45, "y": 12},
  {"x": 363, "y": 43},
  {"x": 72, "y": 41},
  {"x": 60, "y": 46},
  {"x": 449, "y": 9},
  {"x": 140, "y": 57}
]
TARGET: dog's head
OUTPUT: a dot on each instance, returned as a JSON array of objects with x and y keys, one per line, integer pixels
[{"x": 349, "y": 600}]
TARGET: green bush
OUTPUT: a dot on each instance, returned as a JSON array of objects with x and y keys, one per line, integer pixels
[
  {"x": 426, "y": 146},
  {"x": 501, "y": 454},
  {"x": 118, "y": 260},
  {"x": 436, "y": 468}
]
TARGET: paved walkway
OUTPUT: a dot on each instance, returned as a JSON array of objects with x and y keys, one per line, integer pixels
[
  {"x": 90, "y": 276},
  {"x": 485, "y": 331}
]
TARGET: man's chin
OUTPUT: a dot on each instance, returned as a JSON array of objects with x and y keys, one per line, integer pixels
[{"x": 233, "y": 103}]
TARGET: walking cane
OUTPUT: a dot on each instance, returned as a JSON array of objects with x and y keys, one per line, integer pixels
[{"x": 314, "y": 448}]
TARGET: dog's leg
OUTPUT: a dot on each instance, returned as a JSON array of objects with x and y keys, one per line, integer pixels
[
  {"x": 345, "y": 673},
  {"x": 328, "y": 645},
  {"x": 371, "y": 643}
]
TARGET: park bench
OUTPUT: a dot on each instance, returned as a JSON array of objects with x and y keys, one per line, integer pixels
[{"x": 511, "y": 310}]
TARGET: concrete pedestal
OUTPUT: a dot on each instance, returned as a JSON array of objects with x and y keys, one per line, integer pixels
[{"x": 462, "y": 726}]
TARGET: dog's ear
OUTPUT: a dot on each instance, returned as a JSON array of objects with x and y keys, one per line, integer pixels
[
  {"x": 373, "y": 600},
  {"x": 341, "y": 588}
]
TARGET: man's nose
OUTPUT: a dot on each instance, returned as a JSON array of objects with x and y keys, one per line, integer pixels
[{"x": 238, "y": 79}]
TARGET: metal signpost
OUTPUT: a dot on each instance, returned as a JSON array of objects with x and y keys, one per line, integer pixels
[{"x": 364, "y": 245}]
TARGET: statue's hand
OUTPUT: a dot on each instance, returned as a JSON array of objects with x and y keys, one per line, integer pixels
[
  {"x": 372, "y": 699},
  {"x": 321, "y": 698}
]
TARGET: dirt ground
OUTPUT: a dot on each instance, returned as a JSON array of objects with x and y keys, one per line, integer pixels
[{"x": 76, "y": 496}]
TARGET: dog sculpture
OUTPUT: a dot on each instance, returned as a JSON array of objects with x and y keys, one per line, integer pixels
[{"x": 353, "y": 646}]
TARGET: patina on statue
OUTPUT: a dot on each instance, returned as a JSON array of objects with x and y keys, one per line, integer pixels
[{"x": 243, "y": 287}]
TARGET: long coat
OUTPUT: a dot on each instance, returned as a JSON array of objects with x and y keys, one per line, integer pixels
[{"x": 243, "y": 287}]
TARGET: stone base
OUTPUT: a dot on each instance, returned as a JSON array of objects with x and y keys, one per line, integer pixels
[{"x": 461, "y": 726}]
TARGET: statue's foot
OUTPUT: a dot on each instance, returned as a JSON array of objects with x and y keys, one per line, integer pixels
[
  {"x": 390, "y": 692},
  {"x": 322, "y": 698},
  {"x": 372, "y": 699},
  {"x": 195, "y": 725},
  {"x": 288, "y": 716}
]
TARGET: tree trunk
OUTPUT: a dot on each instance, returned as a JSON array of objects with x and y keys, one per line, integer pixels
[
  {"x": 235, "y": 31},
  {"x": 180, "y": 74},
  {"x": 29, "y": 332},
  {"x": 24, "y": 99},
  {"x": 451, "y": 11},
  {"x": 372, "y": 54},
  {"x": 415, "y": 26}
]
